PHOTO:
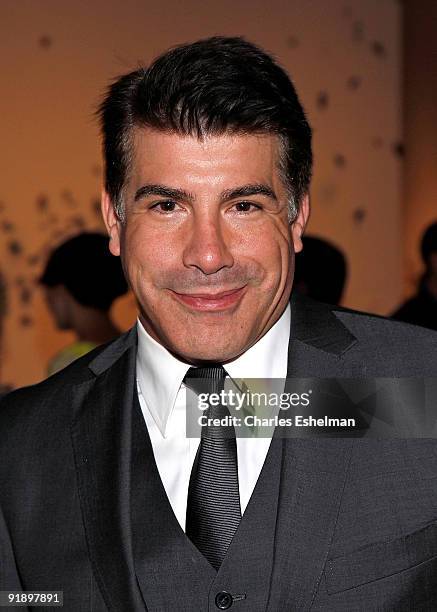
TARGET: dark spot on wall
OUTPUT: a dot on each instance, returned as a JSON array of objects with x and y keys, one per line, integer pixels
[
  {"x": 322, "y": 100},
  {"x": 15, "y": 247},
  {"x": 68, "y": 198},
  {"x": 353, "y": 82},
  {"x": 26, "y": 321},
  {"x": 25, "y": 295},
  {"x": 7, "y": 226},
  {"x": 378, "y": 49},
  {"x": 398, "y": 149},
  {"x": 339, "y": 160},
  {"x": 45, "y": 41},
  {"x": 359, "y": 215},
  {"x": 42, "y": 202}
]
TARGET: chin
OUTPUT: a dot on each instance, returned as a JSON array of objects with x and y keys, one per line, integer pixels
[{"x": 209, "y": 352}]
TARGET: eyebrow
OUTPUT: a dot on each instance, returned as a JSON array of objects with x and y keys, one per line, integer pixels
[
  {"x": 248, "y": 190},
  {"x": 164, "y": 191},
  {"x": 180, "y": 194}
]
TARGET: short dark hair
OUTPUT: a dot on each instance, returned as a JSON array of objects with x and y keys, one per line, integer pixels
[
  {"x": 428, "y": 243},
  {"x": 85, "y": 267},
  {"x": 208, "y": 87},
  {"x": 320, "y": 270}
]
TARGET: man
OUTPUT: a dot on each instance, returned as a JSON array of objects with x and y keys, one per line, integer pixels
[
  {"x": 208, "y": 162},
  {"x": 81, "y": 280},
  {"x": 421, "y": 309}
]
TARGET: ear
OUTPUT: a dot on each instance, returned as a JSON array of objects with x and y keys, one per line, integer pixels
[
  {"x": 112, "y": 222},
  {"x": 298, "y": 225}
]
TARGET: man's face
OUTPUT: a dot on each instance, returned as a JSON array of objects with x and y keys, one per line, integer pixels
[
  {"x": 206, "y": 244},
  {"x": 59, "y": 303}
]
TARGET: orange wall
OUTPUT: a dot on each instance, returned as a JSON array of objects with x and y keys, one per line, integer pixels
[{"x": 56, "y": 59}]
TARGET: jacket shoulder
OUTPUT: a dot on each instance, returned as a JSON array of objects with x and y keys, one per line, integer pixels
[{"x": 391, "y": 348}]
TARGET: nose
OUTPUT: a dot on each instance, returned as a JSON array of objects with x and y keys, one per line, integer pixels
[{"x": 207, "y": 247}]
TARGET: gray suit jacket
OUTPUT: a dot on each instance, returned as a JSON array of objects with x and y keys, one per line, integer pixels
[{"x": 332, "y": 525}]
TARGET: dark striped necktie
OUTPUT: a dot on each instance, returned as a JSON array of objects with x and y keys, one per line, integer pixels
[{"x": 213, "y": 505}]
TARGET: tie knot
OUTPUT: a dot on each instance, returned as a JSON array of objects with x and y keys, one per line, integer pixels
[
  {"x": 208, "y": 379},
  {"x": 215, "y": 370}
]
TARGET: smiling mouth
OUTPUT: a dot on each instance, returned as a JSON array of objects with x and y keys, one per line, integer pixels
[{"x": 210, "y": 302}]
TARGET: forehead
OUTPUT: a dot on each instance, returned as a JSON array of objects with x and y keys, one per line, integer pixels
[{"x": 236, "y": 158}]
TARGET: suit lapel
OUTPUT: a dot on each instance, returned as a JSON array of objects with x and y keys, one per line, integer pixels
[
  {"x": 314, "y": 471},
  {"x": 101, "y": 442},
  {"x": 315, "y": 325}
]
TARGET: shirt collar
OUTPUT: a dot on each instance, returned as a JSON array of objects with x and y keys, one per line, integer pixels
[{"x": 160, "y": 374}]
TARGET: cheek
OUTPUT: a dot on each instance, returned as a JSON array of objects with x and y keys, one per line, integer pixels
[
  {"x": 271, "y": 247},
  {"x": 146, "y": 254}
]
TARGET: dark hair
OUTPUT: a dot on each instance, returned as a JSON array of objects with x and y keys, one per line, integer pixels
[
  {"x": 320, "y": 270},
  {"x": 211, "y": 86},
  {"x": 428, "y": 243},
  {"x": 86, "y": 268}
]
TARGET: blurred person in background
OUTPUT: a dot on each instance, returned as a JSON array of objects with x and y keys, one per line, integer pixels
[
  {"x": 81, "y": 280},
  {"x": 321, "y": 270},
  {"x": 421, "y": 309}
]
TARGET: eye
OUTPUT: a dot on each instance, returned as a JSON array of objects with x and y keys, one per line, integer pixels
[
  {"x": 246, "y": 207},
  {"x": 165, "y": 206}
]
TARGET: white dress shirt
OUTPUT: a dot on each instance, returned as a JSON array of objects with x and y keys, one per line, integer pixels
[{"x": 162, "y": 399}]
